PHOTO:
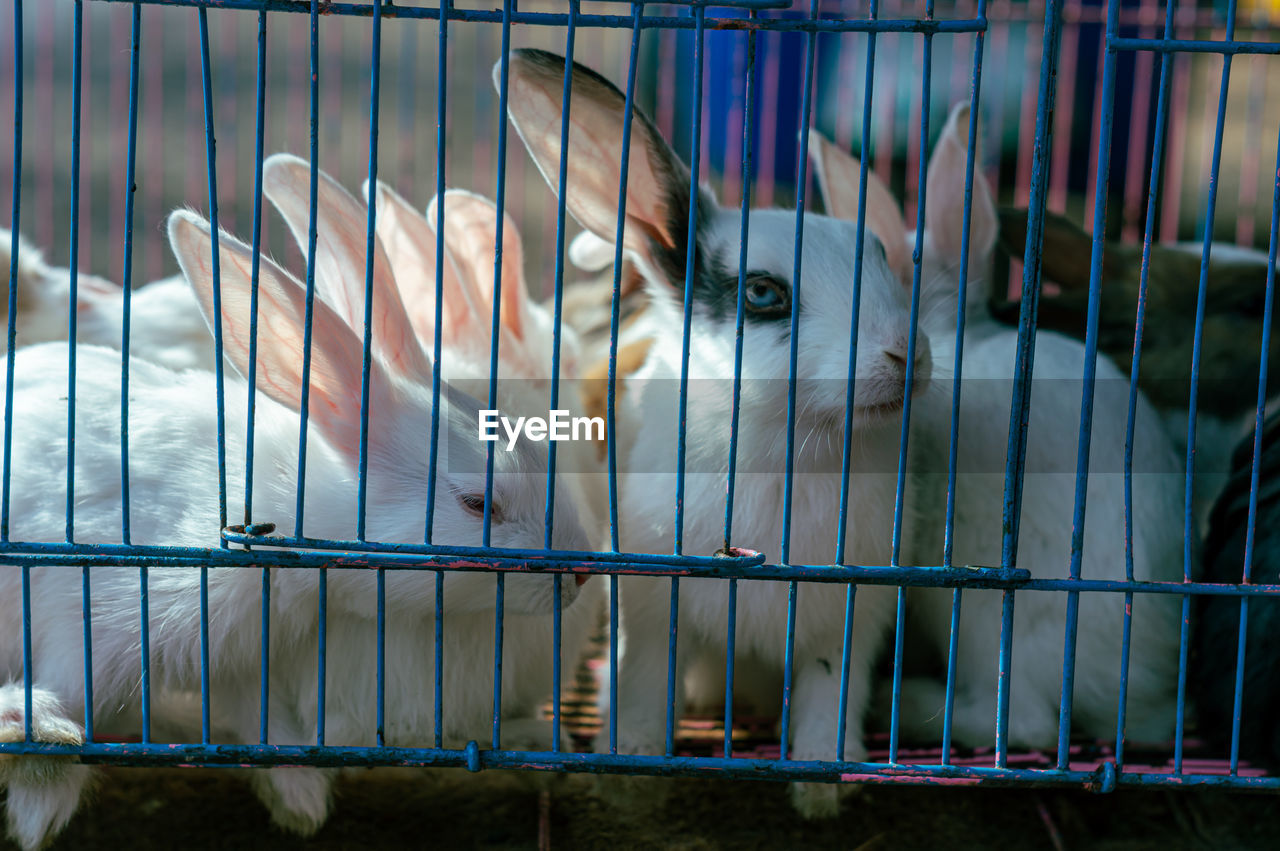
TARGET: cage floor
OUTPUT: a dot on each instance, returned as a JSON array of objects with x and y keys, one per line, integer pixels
[{"x": 756, "y": 737}]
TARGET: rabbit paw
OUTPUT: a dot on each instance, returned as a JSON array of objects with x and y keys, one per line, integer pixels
[
  {"x": 298, "y": 798},
  {"x": 43, "y": 791},
  {"x": 814, "y": 801}
]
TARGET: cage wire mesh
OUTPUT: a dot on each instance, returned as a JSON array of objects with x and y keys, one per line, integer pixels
[{"x": 1135, "y": 83}]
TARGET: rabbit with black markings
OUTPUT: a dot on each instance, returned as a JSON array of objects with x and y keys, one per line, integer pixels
[
  {"x": 174, "y": 501},
  {"x": 1048, "y": 499},
  {"x": 657, "y": 210}
]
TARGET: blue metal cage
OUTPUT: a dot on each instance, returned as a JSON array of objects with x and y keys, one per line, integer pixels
[{"x": 251, "y": 542}]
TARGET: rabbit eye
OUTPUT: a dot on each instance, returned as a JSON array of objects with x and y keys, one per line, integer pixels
[
  {"x": 474, "y": 504},
  {"x": 767, "y": 297}
]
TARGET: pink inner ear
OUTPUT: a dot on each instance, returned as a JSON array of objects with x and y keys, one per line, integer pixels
[
  {"x": 595, "y": 151},
  {"x": 840, "y": 174},
  {"x": 410, "y": 245},
  {"x": 515, "y": 294},
  {"x": 944, "y": 210},
  {"x": 470, "y": 229}
]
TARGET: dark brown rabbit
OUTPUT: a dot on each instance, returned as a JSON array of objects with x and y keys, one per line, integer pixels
[{"x": 1233, "y": 312}]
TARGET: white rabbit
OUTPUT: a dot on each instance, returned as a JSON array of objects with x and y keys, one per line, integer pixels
[
  {"x": 657, "y": 208},
  {"x": 1048, "y": 499},
  {"x": 173, "y": 487},
  {"x": 526, "y": 330},
  {"x": 165, "y": 326},
  {"x": 405, "y": 264}
]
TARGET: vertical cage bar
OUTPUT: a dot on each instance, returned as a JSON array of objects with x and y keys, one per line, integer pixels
[
  {"x": 220, "y": 396},
  {"x": 611, "y": 441},
  {"x": 691, "y": 238},
  {"x": 788, "y": 667},
  {"x": 739, "y": 325},
  {"x": 1189, "y": 517},
  {"x": 251, "y": 393},
  {"x": 1167, "y": 65},
  {"x": 500, "y": 197},
  {"x": 846, "y": 659},
  {"x": 802, "y": 158},
  {"x": 73, "y": 268},
  {"x": 73, "y": 272},
  {"x": 842, "y": 526},
  {"x": 1020, "y": 407},
  {"x": 127, "y": 282},
  {"x": 307, "y": 328},
  {"x": 127, "y": 276},
  {"x": 375, "y": 91},
  {"x": 900, "y": 488},
  {"x": 730, "y": 649},
  {"x": 566, "y": 100},
  {"x": 1189, "y": 528},
  {"x": 1084, "y": 438},
  {"x": 438, "y": 667},
  {"x": 1255, "y": 472},
  {"x": 314, "y": 139},
  {"x": 442, "y": 71},
  {"x": 495, "y": 333},
  {"x": 798, "y": 242},
  {"x": 14, "y": 245},
  {"x": 962, "y": 296},
  {"x": 744, "y": 227}
]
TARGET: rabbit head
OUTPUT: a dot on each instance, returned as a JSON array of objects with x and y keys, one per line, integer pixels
[
  {"x": 400, "y": 408},
  {"x": 1234, "y": 300},
  {"x": 660, "y": 238},
  {"x": 44, "y": 293},
  {"x": 943, "y": 241}
]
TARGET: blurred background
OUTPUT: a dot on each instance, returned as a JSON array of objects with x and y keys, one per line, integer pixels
[{"x": 171, "y": 167}]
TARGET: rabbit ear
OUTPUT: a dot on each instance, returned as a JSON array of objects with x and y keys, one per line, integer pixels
[
  {"x": 470, "y": 227},
  {"x": 410, "y": 243},
  {"x": 341, "y": 228},
  {"x": 1066, "y": 253},
  {"x": 839, "y": 174},
  {"x": 336, "y": 351},
  {"x": 944, "y": 204},
  {"x": 657, "y": 197}
]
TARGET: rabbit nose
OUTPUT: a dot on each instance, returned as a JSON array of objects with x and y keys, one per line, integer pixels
[{"x": 896, "y": 353}]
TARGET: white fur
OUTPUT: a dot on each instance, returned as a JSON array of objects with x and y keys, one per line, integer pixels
[
  {"x": 648, "y": 498},
  {"x": 1048, "y": 500},
  {"x": 651, "y": 400},
  {"x": 174, "y": 501},
  {"x": 526, "y": 330},
  {"x": 165, "y": 326}
]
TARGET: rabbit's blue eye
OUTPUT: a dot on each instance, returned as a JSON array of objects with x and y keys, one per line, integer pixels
[{"x": 767, "y": 297}]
